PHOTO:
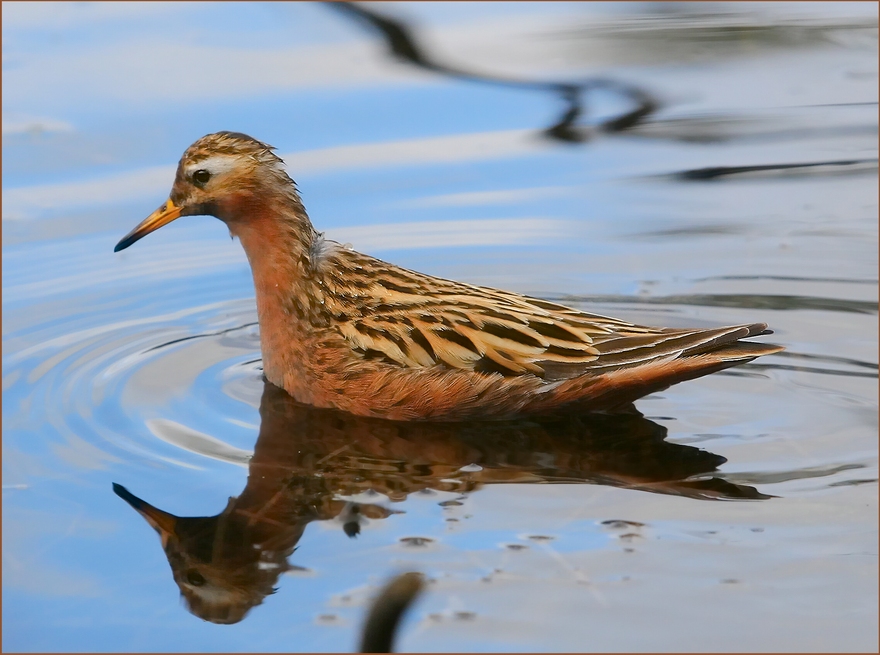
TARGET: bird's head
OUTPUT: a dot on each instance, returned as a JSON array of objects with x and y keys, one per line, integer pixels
[
  {"x": 228, "y": 175},
  {"x": 220, "y": 570}
]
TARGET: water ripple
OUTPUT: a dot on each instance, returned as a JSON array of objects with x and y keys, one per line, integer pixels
[{"x": 117, "y": 388}]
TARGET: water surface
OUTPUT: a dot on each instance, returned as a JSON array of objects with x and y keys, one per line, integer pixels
[{"x": 669, "y": 164}]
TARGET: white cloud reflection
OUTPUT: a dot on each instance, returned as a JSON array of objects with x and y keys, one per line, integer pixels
[
  {"x": 445, "y": 234},
  {"x": 197, "y": 442},
  {"x": 61, "y": 15},
  {"x": 22, "y": 124},
  {"x": 495, "y": 197},
  {"x": 149, "y": 72},
  {"x": 154, "y": 182}
]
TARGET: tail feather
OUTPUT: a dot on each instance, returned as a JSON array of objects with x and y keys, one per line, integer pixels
[
  {"x": 609, "y": 390},
  {"x": 745, "y": 351}
]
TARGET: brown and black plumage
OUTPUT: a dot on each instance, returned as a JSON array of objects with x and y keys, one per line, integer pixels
[{"x": 346, "y": 330}]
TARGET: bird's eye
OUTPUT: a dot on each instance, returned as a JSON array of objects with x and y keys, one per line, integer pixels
[
  {"x": 195, "y": 578},
  {"x": 201, "y": 177}
]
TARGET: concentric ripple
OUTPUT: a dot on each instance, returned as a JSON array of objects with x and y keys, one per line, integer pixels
[{"x": 131, "y": 388}]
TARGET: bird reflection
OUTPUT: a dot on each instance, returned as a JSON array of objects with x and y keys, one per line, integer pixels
[{"x": 307, "y": 459}]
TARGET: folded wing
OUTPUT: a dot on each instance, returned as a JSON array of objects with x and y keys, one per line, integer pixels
[{"x": 415, "y": 321}]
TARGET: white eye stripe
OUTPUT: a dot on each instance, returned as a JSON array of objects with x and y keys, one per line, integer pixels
[{"x": 214, "y": 165}]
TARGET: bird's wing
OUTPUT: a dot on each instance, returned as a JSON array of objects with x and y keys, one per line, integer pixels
[{"x": 416, "y": 320}]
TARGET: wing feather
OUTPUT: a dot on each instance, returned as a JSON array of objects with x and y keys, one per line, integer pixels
[
  {"x": 450, "y": 352},
  {"x": 417, "y": 321}
]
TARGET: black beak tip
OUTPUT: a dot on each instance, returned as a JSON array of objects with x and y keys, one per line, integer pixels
[
  {"x": 123, "y": 493},
  {"x": 124, "y": 243}
]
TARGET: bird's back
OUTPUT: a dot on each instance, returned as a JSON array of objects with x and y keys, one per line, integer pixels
[{"x": 502, "y": 352}]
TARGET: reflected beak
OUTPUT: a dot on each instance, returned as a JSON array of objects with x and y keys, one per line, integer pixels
[
  {"x": 162, "y": 216},
  {"x": 162, "y": 522}
]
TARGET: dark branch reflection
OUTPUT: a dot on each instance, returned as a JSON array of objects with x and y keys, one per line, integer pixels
[
  {"x": 403, "y": 44},
  {"x": 305, "y": 458}
]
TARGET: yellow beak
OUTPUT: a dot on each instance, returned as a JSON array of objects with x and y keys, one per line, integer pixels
[{"x": 162, "y": 216}]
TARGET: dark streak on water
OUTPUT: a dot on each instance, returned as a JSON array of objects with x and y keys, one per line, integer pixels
[{"x": 716, "y": 172}]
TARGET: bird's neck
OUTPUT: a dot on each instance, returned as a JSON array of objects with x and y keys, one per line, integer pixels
[{"x": 277, "y": 237}]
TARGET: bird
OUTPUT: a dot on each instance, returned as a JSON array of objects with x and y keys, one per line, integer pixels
[{"x": 341, "y": 329}]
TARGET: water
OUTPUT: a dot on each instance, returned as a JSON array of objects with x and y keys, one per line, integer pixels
[{"x": 142, "y": 368}]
